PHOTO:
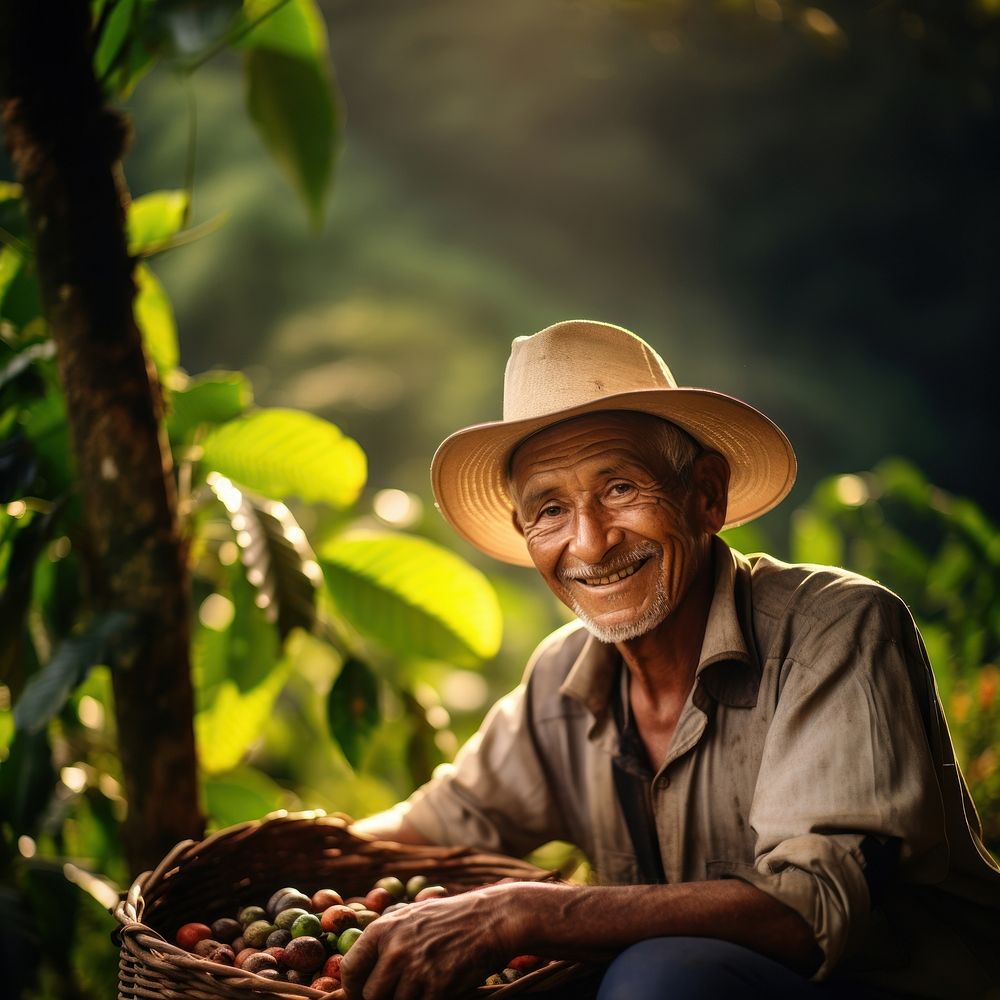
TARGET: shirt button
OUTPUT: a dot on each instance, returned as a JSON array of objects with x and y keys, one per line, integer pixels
[{"x": 663, "y": 781}]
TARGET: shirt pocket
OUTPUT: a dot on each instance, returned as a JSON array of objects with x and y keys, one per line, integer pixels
[{"x": 613, "y": 867}]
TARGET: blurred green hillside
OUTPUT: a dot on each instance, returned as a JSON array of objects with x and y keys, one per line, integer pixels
[{"x": 792, "y": 212}]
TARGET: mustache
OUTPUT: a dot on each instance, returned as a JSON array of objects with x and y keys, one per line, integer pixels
[{"x": 620, "y": 561}]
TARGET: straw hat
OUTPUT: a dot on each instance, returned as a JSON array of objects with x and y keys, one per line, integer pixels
[{"x": 579, "y": 367}]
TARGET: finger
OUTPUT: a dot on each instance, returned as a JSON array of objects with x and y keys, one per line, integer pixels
[{"x": 358, "y": 963}]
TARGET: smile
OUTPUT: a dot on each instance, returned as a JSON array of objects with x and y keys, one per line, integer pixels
[{"x": 604, "y": 581}]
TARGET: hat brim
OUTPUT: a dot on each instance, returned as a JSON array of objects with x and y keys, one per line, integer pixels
[{"x": 469, "y": 469}]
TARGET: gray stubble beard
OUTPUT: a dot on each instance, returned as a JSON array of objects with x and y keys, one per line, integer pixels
[{"x": 654, "y": 615}]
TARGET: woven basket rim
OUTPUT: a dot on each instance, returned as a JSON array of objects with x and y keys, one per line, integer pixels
[{"x": 143, "y": 942}]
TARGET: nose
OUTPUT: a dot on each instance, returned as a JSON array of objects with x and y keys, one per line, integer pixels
[{"x": 595, "y": 534}]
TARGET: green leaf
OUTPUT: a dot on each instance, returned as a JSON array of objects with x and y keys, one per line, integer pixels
[
  {"x": 352, "y": 709},
  {"x": 118, "y": 19},
  {"x": 415, "y": 598},
  {"x": 238, "y": 673},
  {"x": 124, "y": 52},
  {"x": 15, "y": 598},
  {"x": 294, "y": 27},
  {"x": 47, "y": 691},
  {"x": 280, "y": 453},
  {"x": 27, "y": 780},
  {"x": 422, "y": 753},
  {"x": 155, "y": 318},
  {"x": 21, "y": 362},
  {"x": 45, "y": 424},
  {"x": 242, "y": 794},
  {"x": 279, "y": 564},
  {"x": 212, "y": 398},
  {"x": 20, "y": 300},
  {"x": 10, "y": 264},
  {"x": 292, "y": 98},
  {"x": 154, "y": 218}
]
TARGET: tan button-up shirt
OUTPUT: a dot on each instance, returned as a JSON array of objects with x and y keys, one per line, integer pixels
[{"x": 811, "y": 759}]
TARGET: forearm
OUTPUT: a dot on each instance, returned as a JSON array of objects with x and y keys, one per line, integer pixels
[
  {"x": 569, "y": 921},
  {"x": 391, "y": 824}
]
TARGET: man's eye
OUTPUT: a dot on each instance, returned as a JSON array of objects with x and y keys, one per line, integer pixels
[
  {"x": 622, "y": 489},
  {"x": 553, "y": 510}
]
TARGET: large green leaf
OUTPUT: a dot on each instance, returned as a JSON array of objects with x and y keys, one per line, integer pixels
[
  {"x": 280, "y": 453},
  {"x": 278, "y": 562},
  {"x": 238, "y": 673},
  {"x": 47, "y": 691},
  {"x": 352, "y": 709},
  {"x": 154, "y": 218},
  {"x": 415, "y": 598},
  {"x": 292, "y": 97},
  {"x": 155, "y": 317},
  {"x": 209, "y": 399}
]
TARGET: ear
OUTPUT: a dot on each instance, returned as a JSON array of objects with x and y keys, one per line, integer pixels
[{"x": 710, "y": 491}]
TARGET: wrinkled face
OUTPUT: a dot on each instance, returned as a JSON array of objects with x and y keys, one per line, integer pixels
[{"x": 607, "y": 524}]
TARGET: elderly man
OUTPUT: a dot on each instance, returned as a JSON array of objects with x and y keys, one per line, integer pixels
[{"x": 751, "y": 754}]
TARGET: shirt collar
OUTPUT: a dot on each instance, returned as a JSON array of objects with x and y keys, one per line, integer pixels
[{"x": 728, "y": 668}]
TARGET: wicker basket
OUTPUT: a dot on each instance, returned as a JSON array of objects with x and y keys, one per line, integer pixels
[{"x": 246, "y": 863}]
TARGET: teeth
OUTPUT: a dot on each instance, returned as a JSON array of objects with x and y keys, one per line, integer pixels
[{"x": 614, "y": 577}]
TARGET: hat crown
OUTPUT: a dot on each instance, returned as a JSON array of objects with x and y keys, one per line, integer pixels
[{"x": 577, "y": 362}]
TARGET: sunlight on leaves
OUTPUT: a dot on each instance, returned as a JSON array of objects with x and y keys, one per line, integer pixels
[
  {"x": 154, "y": 218},
  {"x": 413, "y": 597},
  {"x": 155, "y": 318},
  {"x": 281, "y": 453}
]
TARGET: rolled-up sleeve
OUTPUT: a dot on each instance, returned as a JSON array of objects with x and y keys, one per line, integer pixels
[{"x": 847, "y": 796}]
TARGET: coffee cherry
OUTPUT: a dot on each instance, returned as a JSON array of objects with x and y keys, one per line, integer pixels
[
  {"x": 226, "y": 930},
  {"x": 378, "y": 899},
  {"x": 430, "y": 892},
  {"x": 251, "y": 913},
  {"x": 288, "y": 917},
  {"x": 305, "y": 954},
  {"x": 278, "y": 938},
  {"x": 256, "y": 933},
  {"x": 393, "y": 886},
  {"x": 415, "y": 884},
  {"x": 308, "y": 925},
  {"x": 259, "y": 961},
  {"x": 243, "y": 955},
  {"x": 346, "y": 940},
  {"x": 338, "y": 918},
  {"x": 325, "y": 898},
  {"x": 190, "y": 934},
  {"x": 331, "y": 967},
  {"x": 325, "y": 983}
]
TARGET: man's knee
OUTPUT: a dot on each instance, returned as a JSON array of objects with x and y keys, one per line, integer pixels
[{"x": 686, "y": 968}]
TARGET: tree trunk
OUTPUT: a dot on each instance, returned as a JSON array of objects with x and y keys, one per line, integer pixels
[{"x": 66, "y": 147}]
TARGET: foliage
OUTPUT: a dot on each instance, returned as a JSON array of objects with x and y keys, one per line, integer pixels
[{"x": 258, "y": 590}]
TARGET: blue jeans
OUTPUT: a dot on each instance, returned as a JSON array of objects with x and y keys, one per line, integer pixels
[{"x": 693, "y": 968}]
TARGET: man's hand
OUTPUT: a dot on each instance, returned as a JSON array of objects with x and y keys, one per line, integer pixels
[
  {"x": 437, "y": 948},
  {"x": 433, "y": 949}
]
